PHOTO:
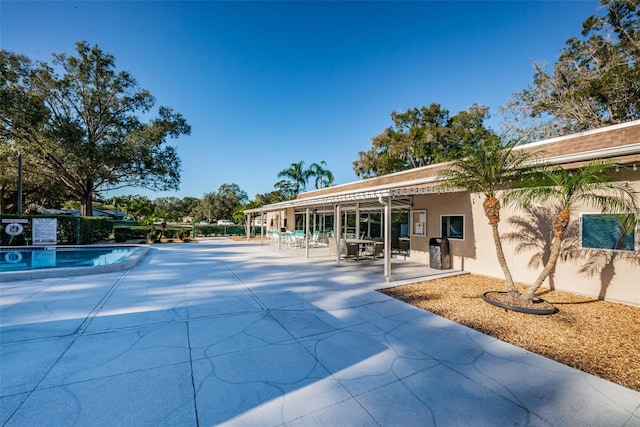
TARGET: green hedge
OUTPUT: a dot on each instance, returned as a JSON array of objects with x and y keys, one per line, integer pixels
[
  {"x": 94, "y": 229},
  {"x": 219, "y": 230},
  {"x": 70, "y": 230},
  {"x": 132, "y": 232}
]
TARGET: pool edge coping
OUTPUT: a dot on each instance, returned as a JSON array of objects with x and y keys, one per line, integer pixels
[{"x": 48, "y": 273}]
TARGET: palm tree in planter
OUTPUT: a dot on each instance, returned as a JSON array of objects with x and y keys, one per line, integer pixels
[
  {"x": 486, "y": 168},
  {"x": 593, "y": 185}
]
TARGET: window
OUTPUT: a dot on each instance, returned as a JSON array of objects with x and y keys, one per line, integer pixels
[
  {"x": 400, "y": 223},
  {"x": 453, "y": 226},
  {"x": 608, "y": 231}
]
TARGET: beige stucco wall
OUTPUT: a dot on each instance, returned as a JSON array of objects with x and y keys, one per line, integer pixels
[
  {"x": 275, "y": 219},
  {"x": 619, "y": 280}
]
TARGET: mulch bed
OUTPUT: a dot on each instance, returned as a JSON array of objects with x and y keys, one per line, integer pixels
[{"x": 598, "y": 337}]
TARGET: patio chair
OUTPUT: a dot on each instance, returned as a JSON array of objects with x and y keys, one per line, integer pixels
[
  {"x": 315, "y": 238},
  {"x": 403, "y": 249},
  {"x": 299, "y": 238},
  {"x": 395, "y": 245},
  {"x": 349, "y": 250},
  {"x": 331, "y": 242},
  {"x": 378, "y": 250}
]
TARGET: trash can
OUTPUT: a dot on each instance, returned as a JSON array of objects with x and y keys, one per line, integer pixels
[{"x": 439, "y": 253}]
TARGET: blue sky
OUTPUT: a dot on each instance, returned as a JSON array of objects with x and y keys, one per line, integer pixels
[{"x": 266, "y": 84}]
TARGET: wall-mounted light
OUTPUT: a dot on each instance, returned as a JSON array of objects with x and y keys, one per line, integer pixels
[{"x": 635, "y": 168}]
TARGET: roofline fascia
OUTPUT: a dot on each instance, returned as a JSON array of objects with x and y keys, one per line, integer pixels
[{"x": 579, "y": 134}]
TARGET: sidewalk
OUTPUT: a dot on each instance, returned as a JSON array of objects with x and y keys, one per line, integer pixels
[{"x": 238, "y": 333}]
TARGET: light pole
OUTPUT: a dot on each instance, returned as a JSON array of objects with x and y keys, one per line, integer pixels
[
  {"x": 17, "y": 150},
  {"x": 19, "y": 183}
]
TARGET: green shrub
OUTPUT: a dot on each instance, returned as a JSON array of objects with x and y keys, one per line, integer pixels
[
  {"x": 170, "y": 233},
  {"x": 133, "y": 232},
  {"x": 120, "y": 237},
  {"x": 219, "y": 230},
  {"x": 93, "y": 229},
  {"x": 153, "y": 236},
  {"x": 184, "y": 235}
]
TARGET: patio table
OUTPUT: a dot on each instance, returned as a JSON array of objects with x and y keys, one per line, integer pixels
[{"x": 362, "y": 244}]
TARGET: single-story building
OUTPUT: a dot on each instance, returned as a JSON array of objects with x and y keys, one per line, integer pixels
[{"x": 410, "y": 206}]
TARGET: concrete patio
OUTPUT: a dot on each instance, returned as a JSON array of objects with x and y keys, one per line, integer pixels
[{"x": 239, "y": 333}]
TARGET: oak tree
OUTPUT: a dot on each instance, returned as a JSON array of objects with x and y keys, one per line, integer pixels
[
  {"x": 420, "y": 137},
  {"x": 92, "y": 136},
  {"x": 594, "y": 83}
]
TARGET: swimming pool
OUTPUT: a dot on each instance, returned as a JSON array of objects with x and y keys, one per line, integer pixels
[{"x": 35, "y": 262}]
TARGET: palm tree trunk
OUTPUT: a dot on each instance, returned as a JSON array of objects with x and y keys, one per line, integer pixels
[
  {"x": 551, "y": 265},
  {"x": 491, "y": 207},
  {"x": 511, "y": 288},
  {"x": 560, "y": 224}
]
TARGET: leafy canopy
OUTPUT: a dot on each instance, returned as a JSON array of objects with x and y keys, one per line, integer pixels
[
  {"x": 420, "y": 137},
  {"x": 83, "y": 128},
  {"x": 594, "y": 83}
]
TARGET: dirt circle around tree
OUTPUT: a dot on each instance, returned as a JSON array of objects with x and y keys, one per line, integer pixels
[{"x": 503, "y": 299}]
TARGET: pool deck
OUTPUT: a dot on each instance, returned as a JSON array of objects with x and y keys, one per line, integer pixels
[{"x": 238, "y": 333}]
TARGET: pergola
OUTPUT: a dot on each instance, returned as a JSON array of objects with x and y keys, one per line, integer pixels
[{"x": 380, "y": 200}]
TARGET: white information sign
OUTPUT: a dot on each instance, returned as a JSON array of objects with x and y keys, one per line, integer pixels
[{"x": 44, "y": 231}]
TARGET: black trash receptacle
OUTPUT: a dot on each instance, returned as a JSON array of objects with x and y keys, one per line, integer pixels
[{"x": 439, "y": 253}]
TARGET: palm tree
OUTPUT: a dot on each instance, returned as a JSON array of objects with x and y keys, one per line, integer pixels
[
  {"x": 592, "y": 185},
  {"x": 298, "y": 174},
  {"x": 323, "y": 177},
  {"x": 485, "y": 168},
  {"x": 532, "y": 233}
]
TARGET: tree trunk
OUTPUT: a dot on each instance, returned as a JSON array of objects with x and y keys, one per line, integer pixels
[
  {"x": 86, "y": 198},
  {"x": 491, "y": 207},
  {"x": 86, "y": 205},
  {"x": 560, "y": 224},
  {"x": 511, "y": 288}
]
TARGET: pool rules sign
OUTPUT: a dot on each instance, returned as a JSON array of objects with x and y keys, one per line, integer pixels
[{"x": 44, "y": 231}]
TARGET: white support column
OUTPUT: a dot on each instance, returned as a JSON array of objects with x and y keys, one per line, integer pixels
[
  {"x": 358, "y": 220},
  {"x": 261, "y": 227},
  {"x": 248, "y": 227},
  {"x": 346, "y": 223},
  {"x": 306, "y": 232},
  {"x": 387, "y": 239},
  {"x": 338, "y": 233},
  {"x": 315, "y": 224},
  {"x": 280, "y": 236}
]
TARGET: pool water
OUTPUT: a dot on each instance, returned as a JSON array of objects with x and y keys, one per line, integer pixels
[{"x": 32, "y": 258}]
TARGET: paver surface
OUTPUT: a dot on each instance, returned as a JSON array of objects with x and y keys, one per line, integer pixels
[{"x": 244, "y": 334}]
